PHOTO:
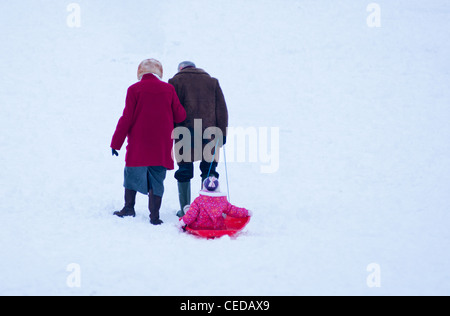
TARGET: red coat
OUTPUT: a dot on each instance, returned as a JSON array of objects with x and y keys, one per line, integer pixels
[{"x": 152, "y": 108}]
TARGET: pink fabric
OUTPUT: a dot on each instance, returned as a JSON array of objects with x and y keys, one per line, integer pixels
[
  {"x": 206, "y": 212},
  {"x": 152, "y": 108}
]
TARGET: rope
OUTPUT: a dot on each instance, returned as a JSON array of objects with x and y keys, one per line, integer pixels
[
  {"x": 226, "y": 173},
  {"x": 214, "y": 158}
]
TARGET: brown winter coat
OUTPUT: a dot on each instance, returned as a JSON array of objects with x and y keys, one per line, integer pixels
[{"x": 202, "y": 98}]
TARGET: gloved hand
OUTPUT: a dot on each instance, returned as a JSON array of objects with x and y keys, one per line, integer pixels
[
  {"x": 114, "y": 152},
  {"x": 250, "y": 213}
]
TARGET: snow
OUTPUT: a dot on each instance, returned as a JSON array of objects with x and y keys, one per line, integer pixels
[{"x": 364, "y": 170}]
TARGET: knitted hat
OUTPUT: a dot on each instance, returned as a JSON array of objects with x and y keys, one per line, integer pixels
[{"x": 211, "y": 184}]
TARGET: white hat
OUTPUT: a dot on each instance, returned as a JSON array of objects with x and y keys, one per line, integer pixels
[{"x": 150, "y": 66}]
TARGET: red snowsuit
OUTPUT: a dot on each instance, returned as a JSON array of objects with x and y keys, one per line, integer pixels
[{"x": 206, "y": 211}]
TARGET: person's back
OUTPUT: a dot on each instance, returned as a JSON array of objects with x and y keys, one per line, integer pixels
[
  {"x": 152, "y": 108},
  {"x": 153, "y": 122},
  {"x": 202, "y": 98}
]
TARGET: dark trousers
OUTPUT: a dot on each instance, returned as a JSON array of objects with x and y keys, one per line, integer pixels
[{"x": 185, "y": 172}]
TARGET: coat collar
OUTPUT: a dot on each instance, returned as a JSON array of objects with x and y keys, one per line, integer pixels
[
  {"x": 150, "y": 76},
  {"x": 191, "y": 70}
]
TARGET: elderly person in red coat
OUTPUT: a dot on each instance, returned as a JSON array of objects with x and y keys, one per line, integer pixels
[{"x": 151, "y": 111}]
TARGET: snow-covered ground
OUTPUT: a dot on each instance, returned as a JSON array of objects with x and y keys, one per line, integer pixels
[{"x": 364, "y": 153}]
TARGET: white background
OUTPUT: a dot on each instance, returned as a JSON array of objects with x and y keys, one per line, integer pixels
[{"x": 364, "y": 171}]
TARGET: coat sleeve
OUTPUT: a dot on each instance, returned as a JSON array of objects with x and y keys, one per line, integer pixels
[
  {"x": 125, "y": 122},
  {"x": 221, "y": 110},
  {"x": 234, "y": 211},
  {"x": 192, "y": 214},
  {"x": 179, "y": 113}
]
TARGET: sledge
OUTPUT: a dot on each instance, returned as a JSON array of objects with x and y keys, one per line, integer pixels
[{"x": 233, "y": 226}]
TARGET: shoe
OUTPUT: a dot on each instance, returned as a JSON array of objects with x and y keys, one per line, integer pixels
[
  {"x": 184, "y": 195},
  {"x": 130, "y": 201},
  {"x": 154, "y": 205},
  {"x": 156, "y": 222}
]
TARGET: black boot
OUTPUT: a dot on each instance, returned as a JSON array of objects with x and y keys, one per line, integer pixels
[
  {"x": 130, "y": 201},
  {"x": 154, "y": 205},
  {"x": 184, "y": 195}
]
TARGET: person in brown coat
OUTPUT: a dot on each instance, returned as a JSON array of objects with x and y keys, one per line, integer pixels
[{"x": 204, "y": 102}]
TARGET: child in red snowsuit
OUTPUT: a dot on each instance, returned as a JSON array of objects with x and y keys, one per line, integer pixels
[{"x": 206, "y": 212}]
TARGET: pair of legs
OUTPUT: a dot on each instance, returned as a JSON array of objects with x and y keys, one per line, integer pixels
[
  {"x": 154, "y": 205},
  {"x": 185, "y": 174},
  {"x": 146, "y": 180}
]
